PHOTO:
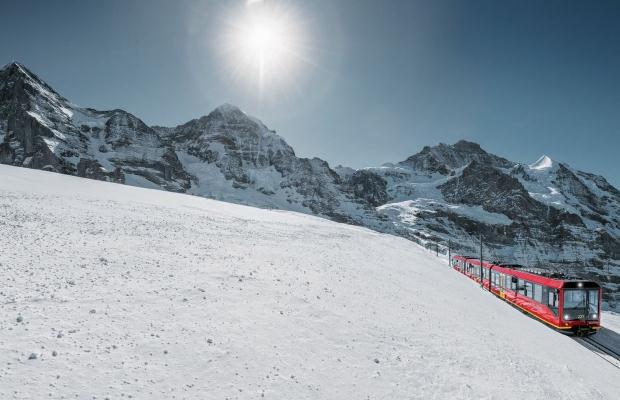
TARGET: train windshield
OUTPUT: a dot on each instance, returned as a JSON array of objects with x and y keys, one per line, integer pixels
[{"x": 580, "y": 304}]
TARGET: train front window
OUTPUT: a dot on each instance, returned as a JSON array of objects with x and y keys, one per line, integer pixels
[
  {"x": 574, "y": 299},
  {"x": 592, "y": 304},
  {"x": 580, "y": 304}
]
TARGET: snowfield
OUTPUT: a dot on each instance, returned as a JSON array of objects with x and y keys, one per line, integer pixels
[{"x": 112, "y": 291}]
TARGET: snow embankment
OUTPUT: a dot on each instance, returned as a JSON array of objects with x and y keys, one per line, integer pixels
[{"x": 110, "y": 291}]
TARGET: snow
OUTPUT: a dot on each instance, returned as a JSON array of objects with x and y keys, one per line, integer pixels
[
  {"x": 152, "y": 294},
  {"x": 140, "y": 181},
  {"x": 408, "y": 209},
  {"x": 52, "y": 144},
  {"x": 544, "y": 162},
  {"x": 80, "y": 116},
  {"x": 212, "y": 184},
  {"x": 612, "y": 320}
]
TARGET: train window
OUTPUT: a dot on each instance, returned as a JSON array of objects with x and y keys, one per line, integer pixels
[
  {"x": 529, "y": 290},
  {"x": 538, "y": 296},
  {"x": 552, "y": 300},
  {"x": 521, "y": 286}
]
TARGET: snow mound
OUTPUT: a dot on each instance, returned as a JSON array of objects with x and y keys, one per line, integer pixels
[
  {"x": 544, "y": 162},
  {"x": 112, "y": 291}
]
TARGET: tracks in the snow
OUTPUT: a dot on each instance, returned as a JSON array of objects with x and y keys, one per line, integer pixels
[{"x": 605, "y": 352}]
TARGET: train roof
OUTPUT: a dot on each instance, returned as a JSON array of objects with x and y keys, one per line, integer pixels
[{"x": 547, "y": 277}]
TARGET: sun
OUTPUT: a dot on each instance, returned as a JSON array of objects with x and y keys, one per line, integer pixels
[
  {"x": 265, "y": 44},
  {"x": 264, "y": 40}
]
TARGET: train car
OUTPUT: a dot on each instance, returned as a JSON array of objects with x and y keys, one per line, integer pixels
[{"x": 571, "y": 306}]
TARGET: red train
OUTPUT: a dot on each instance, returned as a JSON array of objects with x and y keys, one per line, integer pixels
[{"x": 567, "y": 305}]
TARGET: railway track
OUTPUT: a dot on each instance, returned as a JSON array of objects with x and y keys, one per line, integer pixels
[{"x": 605, "y": 352}]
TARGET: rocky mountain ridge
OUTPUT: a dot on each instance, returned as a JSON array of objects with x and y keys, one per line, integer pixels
[{"x": 544, "y": 214}]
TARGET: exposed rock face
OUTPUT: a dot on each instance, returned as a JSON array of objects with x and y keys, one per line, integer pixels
[
  {"x": 369, "y": 186},
  {"x": 545, "y": 214},
  {"x": 570, "y": 184},
  {"x": 41, "y": 129},
  {"x": 497, "y": 192},
  {"x": 443, "y": 158},
  {"x": 237, "y": 152}
]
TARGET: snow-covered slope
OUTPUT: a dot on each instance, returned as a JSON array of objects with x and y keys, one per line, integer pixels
[{"x": 112, "y": 291}]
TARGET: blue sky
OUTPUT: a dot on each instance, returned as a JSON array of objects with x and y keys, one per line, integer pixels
[{"x": 380, "y": 79}]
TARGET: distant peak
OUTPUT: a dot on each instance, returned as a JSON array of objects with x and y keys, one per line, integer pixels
[
  {"x": 231, "y": 113},
  {"x": 467, "y": 146},
  {"x": 16, "y": 70},
  {"x": 227, "y": 108},
  {"x": 16, "y": 66},
  {"x": 20, "y": 70},
  {"x": 544, "y": 162}
]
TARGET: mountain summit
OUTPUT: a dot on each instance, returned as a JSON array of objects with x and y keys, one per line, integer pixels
[
  {"x": 546, "y": 214},
  {"x": 544, "y": 162},
  {"x": 444, "y": 157}
]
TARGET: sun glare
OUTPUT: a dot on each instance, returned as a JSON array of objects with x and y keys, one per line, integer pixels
[{"x": 264, "y": 44}]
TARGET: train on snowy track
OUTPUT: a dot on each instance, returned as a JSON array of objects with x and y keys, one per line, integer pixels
[{"x": 567, "y": 305}]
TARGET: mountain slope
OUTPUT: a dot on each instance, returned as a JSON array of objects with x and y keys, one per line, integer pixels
[
  {"x": 123, "y": 292},
  {"x": 41, "y": 129},
  {"x": 235, "y": 157},
  {"x": 226, "y": 154},
  {"x": 546, "y": 214}
]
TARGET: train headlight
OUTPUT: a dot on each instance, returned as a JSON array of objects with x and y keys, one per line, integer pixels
[
  {"x": 566, "y": 317},
  {"x": 594, "y": 315},
  {"x": 580, "y": 284}
]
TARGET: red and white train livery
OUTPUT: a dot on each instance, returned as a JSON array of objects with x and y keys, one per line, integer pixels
[{"x": 567, "y": 305}]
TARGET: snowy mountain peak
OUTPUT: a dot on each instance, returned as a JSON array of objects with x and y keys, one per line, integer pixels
[
  {"x": 15, "y": 71},
  {"x": 226, "y": 119},
  {"x": 544, "y": 162},
  {"x": 14, "y": 66},
  {"x": 444, "y": 157},
  {"x": 228, "y": 108},
  {"x": 230, "y": 114}
]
